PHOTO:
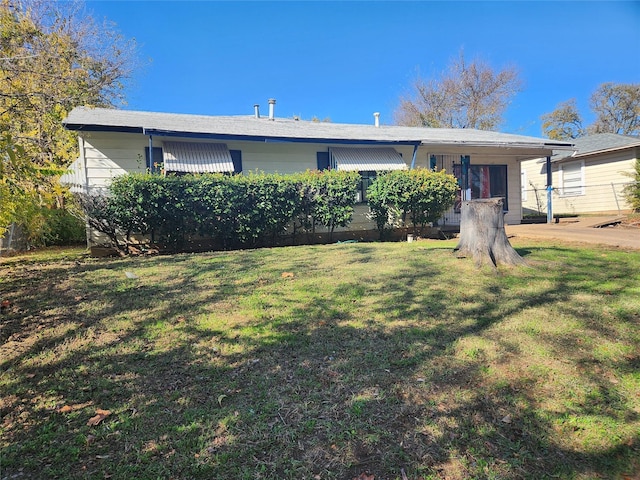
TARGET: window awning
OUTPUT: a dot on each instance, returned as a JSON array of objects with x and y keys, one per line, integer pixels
[
  {"x": 192, "y": 157},
  {"x": 73, "y": 178},
  {"x": 366, "y": 159}
]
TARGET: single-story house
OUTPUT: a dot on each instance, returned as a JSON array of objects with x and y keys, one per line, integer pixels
[
  {"x": 113, "y": 142},
  {"x": 589, "y": 180}
]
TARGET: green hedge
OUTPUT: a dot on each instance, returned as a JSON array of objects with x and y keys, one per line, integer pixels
[
  {"x": 414, "y": 197},
  {"x": 233, "y": 211},
  {"x": 257, "y": 208}
]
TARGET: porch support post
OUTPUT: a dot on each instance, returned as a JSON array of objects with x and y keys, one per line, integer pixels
[
  {"x": 466, "y": 189},
  {"x": 549, "y": 191},
  {"x": 415, "y": 154}
]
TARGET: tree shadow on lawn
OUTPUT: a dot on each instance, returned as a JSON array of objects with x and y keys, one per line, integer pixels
[{"x": 320, "y": 392}]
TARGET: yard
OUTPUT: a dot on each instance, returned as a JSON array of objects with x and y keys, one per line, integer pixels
[{"x": 345, "y": 361}]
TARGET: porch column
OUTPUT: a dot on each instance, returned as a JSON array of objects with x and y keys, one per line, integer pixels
[
  {"x": 466, "y": 187},
  {"x": 549, "y": 191}
]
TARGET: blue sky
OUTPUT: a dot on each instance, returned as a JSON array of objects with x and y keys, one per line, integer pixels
[{"x": 346, "y": 60}]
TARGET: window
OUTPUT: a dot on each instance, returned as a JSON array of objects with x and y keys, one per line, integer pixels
[
  {"x": 322, "y": 160},
  {"x": 572, "y": 179},
  {"x": 366, "y": 179},
  {"x": 485, "y": 181},
  {"x": 523, "y": 181},
  {"x": 158, "y": 159}
]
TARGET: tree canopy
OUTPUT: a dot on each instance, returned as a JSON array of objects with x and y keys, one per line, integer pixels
[
  {"x": 466, "y": 95},
  {"x": 564, "y": 122},
  {"x": 53, "y": 57},
  {"x": 616, "y": 107}
]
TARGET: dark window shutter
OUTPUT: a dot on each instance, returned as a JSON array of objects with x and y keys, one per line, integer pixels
[
  {"x": 323, "y": 160},
  {"x": 236, "y": 157}
]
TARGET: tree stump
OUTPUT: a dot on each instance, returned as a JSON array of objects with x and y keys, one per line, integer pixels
[{"x": 482, "y": 234}]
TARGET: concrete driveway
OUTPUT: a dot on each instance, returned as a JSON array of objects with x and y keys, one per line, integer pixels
[{"x": 580, "y": 229}]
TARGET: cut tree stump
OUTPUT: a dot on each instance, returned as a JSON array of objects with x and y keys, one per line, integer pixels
[{"x": 482, "y": 234}]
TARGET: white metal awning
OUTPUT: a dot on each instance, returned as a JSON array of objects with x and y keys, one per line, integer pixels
[
  {"x": 74, "y": 178},
  {"x": 366, "y": 159},
  {"x": 190, "y": 157}
]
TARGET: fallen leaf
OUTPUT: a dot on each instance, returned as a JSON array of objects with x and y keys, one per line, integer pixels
[
  {"x": 506, "y": 419},
  {"x": 364, "y": 476},
  {"x": 73, "y": 408},
  {"x": 287, "y": 275},
  {"x": 221, "y": 398},
  {"x": 98, "y": 417}
]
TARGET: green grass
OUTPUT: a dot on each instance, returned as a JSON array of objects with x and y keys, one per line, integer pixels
[{"x": 365, "y": 357}]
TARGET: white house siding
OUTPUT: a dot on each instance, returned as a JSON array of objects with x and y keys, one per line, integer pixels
[
  {"x": 108, "y": 155},
  {"x": 602, "y": 192},
  {"x": 276, "y": 157}
]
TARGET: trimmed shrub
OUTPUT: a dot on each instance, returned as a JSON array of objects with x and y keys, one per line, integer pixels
[{"x": 420, "y": 196}]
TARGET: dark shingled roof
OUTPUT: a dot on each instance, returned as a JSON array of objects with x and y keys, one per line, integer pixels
[{"x": 598, "y": 143}]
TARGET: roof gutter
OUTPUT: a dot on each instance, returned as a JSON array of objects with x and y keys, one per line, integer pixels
[{"x": 274, "y": 139}]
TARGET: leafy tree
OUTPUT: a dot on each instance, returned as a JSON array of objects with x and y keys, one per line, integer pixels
[
  {"x": 467, "y": 95},
  {"x": 616, "y": 107},
  {"x": 564, "y": 123},
  {"x": 53, "y": 57}
]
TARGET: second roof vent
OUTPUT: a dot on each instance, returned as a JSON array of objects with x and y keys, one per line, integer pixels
[{"x": 272, "y": 103}]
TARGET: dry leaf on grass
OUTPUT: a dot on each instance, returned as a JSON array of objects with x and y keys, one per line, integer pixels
[
  {"x": 98, "y": 417},
  {"x": 364, "y": 476},
  {"x": 287, "y": 275},
  {"x": 74, "y": 407},
  {"x": 5, "y": 305}
]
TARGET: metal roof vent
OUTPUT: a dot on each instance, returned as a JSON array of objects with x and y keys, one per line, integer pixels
[
  {"x": 256, "y": 110},
  {"x": 376, "y": 116},
  {"x": 272, "y": 103}
]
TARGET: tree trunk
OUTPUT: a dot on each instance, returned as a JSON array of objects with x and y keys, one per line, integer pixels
[{"x": 482, "y": 234}]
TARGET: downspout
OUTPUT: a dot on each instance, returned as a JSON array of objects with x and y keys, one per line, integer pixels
[
  {"x": 415, "y": 154},
  {"x": 151, "y": 168},
  {"x": 549, "y": 191},
  {"x": 466, "y": 189}
]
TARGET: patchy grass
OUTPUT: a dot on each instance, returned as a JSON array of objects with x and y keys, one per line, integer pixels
[{"x": 321, "y": 362}]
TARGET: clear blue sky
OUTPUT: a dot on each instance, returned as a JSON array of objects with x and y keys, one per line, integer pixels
[{"x": 346, "y": 60}]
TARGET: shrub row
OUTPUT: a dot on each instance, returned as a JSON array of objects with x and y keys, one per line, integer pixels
[
  {"x": 246, "y": 210},
  {"x": 233, "y": 211}
]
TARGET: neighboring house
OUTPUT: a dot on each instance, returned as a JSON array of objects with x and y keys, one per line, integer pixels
[
  {"x": 113, "y": 142},
  {"x": 588, "y": 181}
]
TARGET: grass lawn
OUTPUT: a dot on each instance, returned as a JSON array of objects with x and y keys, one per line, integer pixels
[{"x": 353, "y": 360}]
